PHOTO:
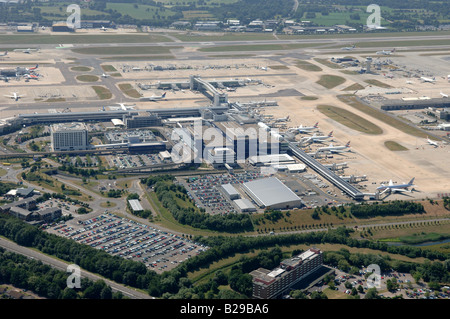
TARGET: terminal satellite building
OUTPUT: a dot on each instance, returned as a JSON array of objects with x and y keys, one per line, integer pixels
[
  {"x": 271, "y": 193},
  {"x": 69, "y": 137}
]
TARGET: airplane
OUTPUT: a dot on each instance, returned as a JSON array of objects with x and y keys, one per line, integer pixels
[
  {"x": 348, "y": 48},
  {"x": 230, "y": 89},
  {"x": 104, "y": 75},
  {"x": 28, "y": 51},
  {"x": 334, "y": 149},
  {"x": 282, "y": 119},
  {"x": 386, "y": 52},
  {"x": 264, "y": 68},
  {"x": 425, "y": 79},
  {"x": 444, "y": 95},
  {"x": 103, "y": 28},
  {"x": 318, "y": 138},
  {"x": 435, "y": 144},
  {"x": 392, "y": 188},
  {"x": 4, "y": 54},
  {"x": 31, "y": 76},
  {"x": 15, "y": 96},
  {"x": 125, "y": 107},
  {"x": 157, "y": 98},
  {"x": 304, "y": 129},
  {"x": 33, "y": 68}
]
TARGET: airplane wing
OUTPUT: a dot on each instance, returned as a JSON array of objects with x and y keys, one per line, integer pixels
[{"x": 395, "y": 190}]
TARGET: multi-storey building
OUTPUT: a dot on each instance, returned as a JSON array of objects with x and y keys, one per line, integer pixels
[
  {"x": 269, "y": 284},
  {"x": 69, "y": 137}
]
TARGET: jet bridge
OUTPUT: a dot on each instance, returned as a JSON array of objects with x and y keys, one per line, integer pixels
[{"x": 198, "y": 84}]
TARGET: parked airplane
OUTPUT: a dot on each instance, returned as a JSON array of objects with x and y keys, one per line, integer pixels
[
  {"x": 393, "y": 188},
  {"x": 103, "y": 28},
  {"x": 31, "y": 76},
  {"x": 157, "y": 98},
  {"x": 304, "y": 129},
  {"x": 435, "y": 144},
  {"x": 318, "y": 138},
  {"x": 4, "y": 54},
  {"x": 444, "y": 95},
  {"x": 15, "y": 96},
  {"x": 348, "y": 48},
  {"x": 282, "y": 119},
  {"x": 334, "y": 149},
  {"x": 104, "y": 75},
  {"x": 230, "y": 89},
  {"x": 425, "y": 79}
]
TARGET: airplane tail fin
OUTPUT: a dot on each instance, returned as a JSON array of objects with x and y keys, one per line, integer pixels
[
  {"x": 331, "y": 134},
  {"x": 411, "y": 181},
  {"x": 164, "y": 94},
  {"x": 316, "y": 125},
  {"x": 348, "y": 144}
]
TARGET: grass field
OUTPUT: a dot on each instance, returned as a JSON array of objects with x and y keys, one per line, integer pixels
[
  {"x": 354, "y": 87},
  {"x": 138, "y": 57},
  {"x": 128, "y": 89},
  {"x": 87, "y": 78},
  {"x": 330, "y": 81},
  {"x": 350, "y": 119},
  {"x": 220, "y": 36},
  {"x": 75, "y": 38},
  {"x": 307, "y": 66},
  {"x": 140, "y": 11},
  {"x": 123, "y": 50},
  {"x": 258, "y": 47},
  {"x": 102, "y": 92},
  {"x": 384, "y": 117},
  {"x": 278, "y": 67},
  {"x": 108, "y": 68},
  {"x": 309, "y": 98},
  {"x": 394, "y": 146},
  {"x": 328, "y": 63},
  {"x": 378, "y": 83},
  {"x": 81, "y": 69}
]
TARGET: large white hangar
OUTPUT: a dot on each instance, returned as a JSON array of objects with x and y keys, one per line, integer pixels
[{"x": 271, "y": 193}]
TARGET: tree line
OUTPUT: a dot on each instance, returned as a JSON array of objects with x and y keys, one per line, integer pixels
[{"x": 48, "y": 282}]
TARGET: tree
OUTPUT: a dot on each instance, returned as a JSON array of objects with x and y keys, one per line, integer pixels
[
  {"x": 372, "y": 293},
  {"x": 298, "y": 294}
]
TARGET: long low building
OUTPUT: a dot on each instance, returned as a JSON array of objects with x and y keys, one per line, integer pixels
[
  {"x": 271, "y": 193},
  {"x": 414, "y": 103}
]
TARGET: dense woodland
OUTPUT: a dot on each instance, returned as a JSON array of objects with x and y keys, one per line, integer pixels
[{"x": 48, "y": 282}]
